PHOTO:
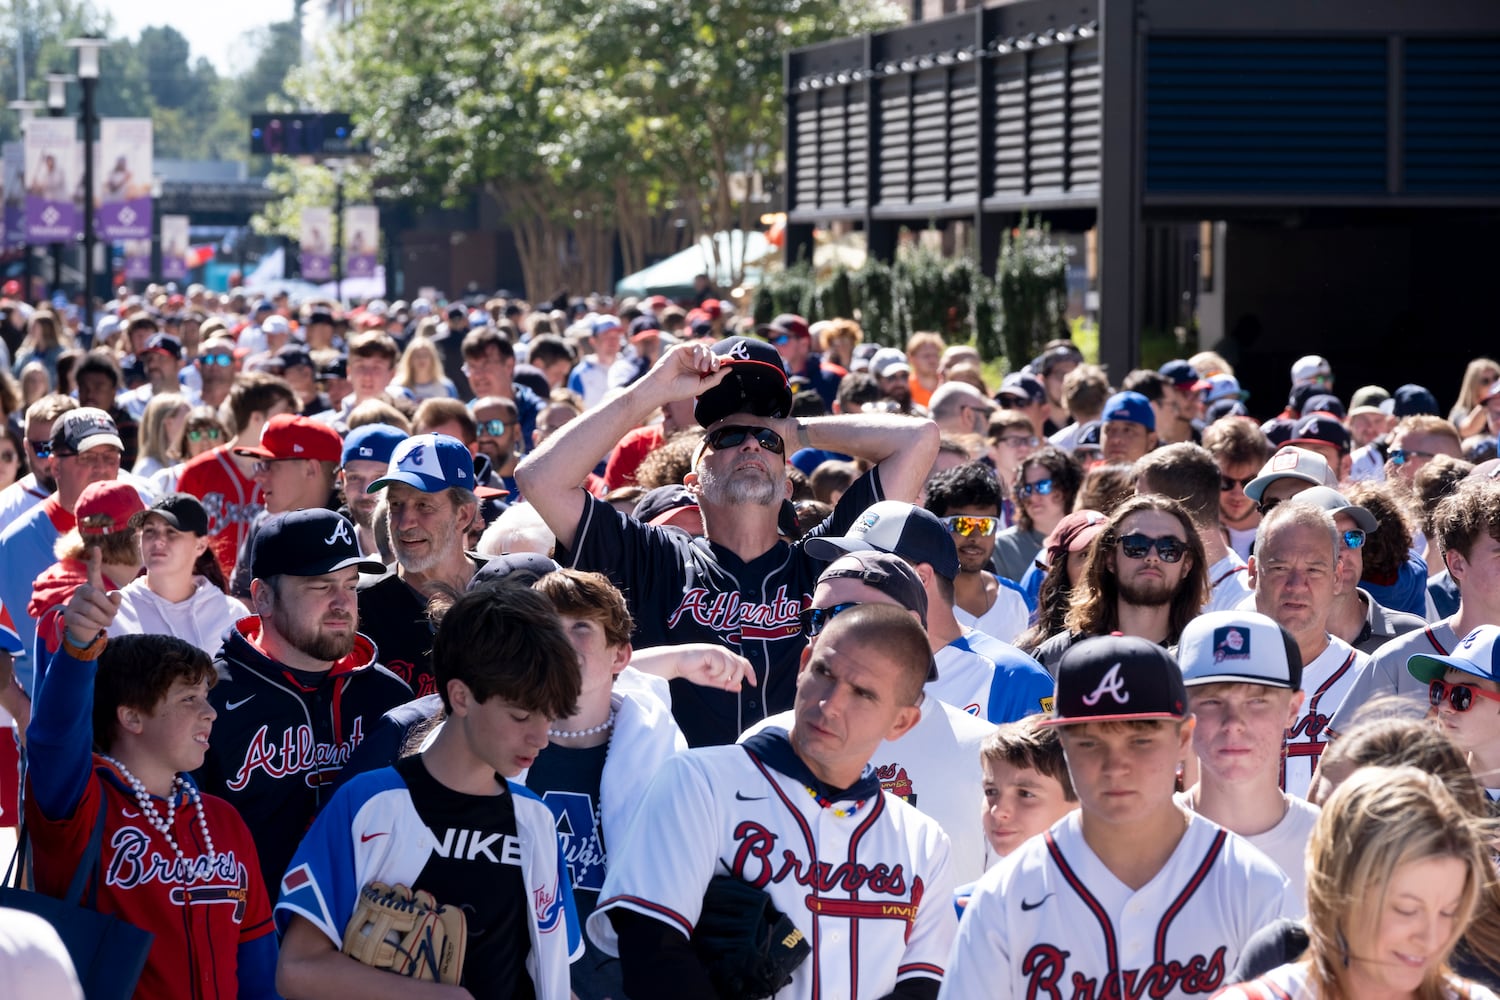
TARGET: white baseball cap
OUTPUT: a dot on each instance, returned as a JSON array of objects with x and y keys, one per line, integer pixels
[
  {"x": 1292, "y": 462},
  {"x": 888, "y": 361},
  {"x": 1309, "y": 367},
  {"x": 1239, "y": 647}
]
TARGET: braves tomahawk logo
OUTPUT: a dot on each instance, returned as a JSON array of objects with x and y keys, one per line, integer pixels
[
  {"x": 893, "y": 779},
  {"x": 1111, "y": 684},
  {"x": 737, "y": 619}
]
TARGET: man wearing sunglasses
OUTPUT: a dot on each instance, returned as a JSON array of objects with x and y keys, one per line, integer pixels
[
  {"x": 1295, "y": 571},
  {"x": 1415, "y": 442},
  {"x": 1356, "y": 617},
  {"x": 1463, "y": 688},
  {"x": 745, "y": 586},
  {"x": 967, "y": 500}
]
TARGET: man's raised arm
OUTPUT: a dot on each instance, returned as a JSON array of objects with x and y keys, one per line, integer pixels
[
  {"x": 904, "y": 447},
  {"x": 550, "y": 477}
]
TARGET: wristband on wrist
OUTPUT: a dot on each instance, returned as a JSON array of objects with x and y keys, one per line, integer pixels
[{"x": 89, "y": 652}]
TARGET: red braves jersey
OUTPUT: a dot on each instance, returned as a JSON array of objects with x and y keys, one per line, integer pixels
[
  {"x": 231, "y": 499},
  {"x": 1051, "y": 921},
  {"x": 200, "y": 908}
]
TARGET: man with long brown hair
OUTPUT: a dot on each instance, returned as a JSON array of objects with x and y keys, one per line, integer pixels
[{"x": 1146, "y": 577}]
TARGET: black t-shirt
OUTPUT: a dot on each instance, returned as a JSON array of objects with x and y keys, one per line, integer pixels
[
  {"x": 567, "y": 779},
  {"x": 394, "y": 615},
  {"x": 682, "y": 589},
  {"x": 484, "y": 871}
]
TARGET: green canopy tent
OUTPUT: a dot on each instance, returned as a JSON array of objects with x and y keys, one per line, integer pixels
[{"x": 673, "y": 277}]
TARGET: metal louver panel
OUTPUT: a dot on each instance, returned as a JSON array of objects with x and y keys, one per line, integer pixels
[
  {"x": 1084, "y": 95},
  {"x": 1266, "y": 115},
  {"x": 830, "y": 131},
  {"x": 1009, "y": 73},
  {"x": 1451, "y": 143}
]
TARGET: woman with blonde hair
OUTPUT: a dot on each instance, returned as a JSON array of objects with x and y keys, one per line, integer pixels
[
  {"x": 420, "y": 370},
  {"x": 162, "y": 425},
  {"x": 1396, "y": 870},
  {"x": 837, "y": 339},
  {"x": 36, "y": 382},
  {"x": 1468, "y": 414},
  {"x": 46, "y": 338}
]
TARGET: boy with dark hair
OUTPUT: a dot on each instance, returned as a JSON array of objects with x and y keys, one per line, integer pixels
[
  {"x": 450, "y": 821},
  {"x": 1026, "y": 783},
  {"x": 184, "y": 869},
  {"x": 967, "y": 500},
  {"x": 1132, "y": 893}
]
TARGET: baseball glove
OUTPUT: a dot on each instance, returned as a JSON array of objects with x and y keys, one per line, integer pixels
[
  {"x": 749, "y": 947},
  {"x": 407, "y": 933}
]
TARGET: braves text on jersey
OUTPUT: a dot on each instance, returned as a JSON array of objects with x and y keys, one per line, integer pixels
[
  {"x": 394, "y": 826},
  {"x": 1051, "y": 921},
  {"x": 1325, "y": 682},
  {"x": 682, "y": 589},
  {"x": 1386, "y": 673},
  {"x": 231, "y": 498},
  {"x": 866, "y": 879}
]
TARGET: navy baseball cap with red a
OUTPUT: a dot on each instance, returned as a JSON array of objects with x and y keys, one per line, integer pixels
[
  {"x": 1117, "y": 678},
  {"x": 756, "y": 384}
]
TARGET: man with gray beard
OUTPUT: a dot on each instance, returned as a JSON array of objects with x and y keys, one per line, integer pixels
[
  {"x": 743, "y": 585},
  {"x": 429, "y": 495}
]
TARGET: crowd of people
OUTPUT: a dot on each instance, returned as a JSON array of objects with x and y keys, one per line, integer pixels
[{"x": 588, "y": 618}]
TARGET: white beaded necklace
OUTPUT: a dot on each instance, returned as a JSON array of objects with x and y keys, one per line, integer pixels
[
  {"x": 578, "y": 734},
  {"x": 148, "y": 807}
]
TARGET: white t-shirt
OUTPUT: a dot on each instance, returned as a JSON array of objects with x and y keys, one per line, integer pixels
[
  {"x": 964, "y": 679},
  {"x": 1005, "y": 619},
  {"x": 1241, "y": 540},
  {"x": 1325, "y": 683},
  {"x": 1286, "y": 844}
]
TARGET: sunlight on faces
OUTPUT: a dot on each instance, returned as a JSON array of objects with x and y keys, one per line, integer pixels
[
  {"x": 849, "y": 699},
  {"x": 1019, "y": 803},
  {"x": 357, "y": 475},
  {"x": 504, "y": 736},
  {"x": 288, "y": 484},
  {"x": 1412, "y": 930},
  {"x": 176, "y": 730},
  {"x": 425, "y": 528},
  {"x": 1149, "y": 582},
  {"x": 1124, "y": 772},
  {"x": 599, "y": 661},
  {"x": 1351, "y": 561},
  {"x": 316, "y": 615},
  {"x": 1240, "y": 728},
  {"x": 745, "y": 474},
  {"x": 974, "y": 550},
  {"x": 1124, "y": 441},
  {"x": 488, "y": 373},
  {"x": 168, "y": 551},
  {"x": 1479, "y": 727},
  {"x": 1293, "y": 575}
]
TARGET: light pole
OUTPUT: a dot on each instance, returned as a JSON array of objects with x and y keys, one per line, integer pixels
[
  {"x": 26, "y": 110},
  {"x": 88, "y": 74},
  {"x": 57, "y": 106}
]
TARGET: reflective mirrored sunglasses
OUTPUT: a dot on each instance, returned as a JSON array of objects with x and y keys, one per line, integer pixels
[
  {"x": 969, "y": 525},
  {"x": 1039, "y": 488},
  {"x": 1401, "y": 456},
  {"x": 1354, "y": 538}
]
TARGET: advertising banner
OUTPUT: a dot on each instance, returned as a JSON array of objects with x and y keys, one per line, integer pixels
[
  {"x": 174, "y": 247},
  {"x": 137, "y": 260},
  {"x": 54, "y": 181},
  {"x": 361, "y": 240},
  {"x": 122, "y": 179},
  {"x": 317, "y": 244}
]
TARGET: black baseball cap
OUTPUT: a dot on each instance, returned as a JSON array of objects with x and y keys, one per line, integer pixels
[
  {"x": 334, "y": 368},
  {"x": 887, "y": 573},
  {"x": 307, "y": 543},
  {"x": 909, "y": 531},
  {"x": 756, "y": 383},
  {"x": 1321, "y": 428},
  {"x": 519, "y": 568},
  {"x": 1117, "y": 678},
  {"x": 182, "y": 511}
]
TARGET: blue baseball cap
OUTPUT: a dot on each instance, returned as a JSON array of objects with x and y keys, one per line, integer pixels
[
  {"x": 372, "y": 443},
  {"x": 1131, "y": 406},
  {"x": 1477, "y": 653},
  {"x": 429, "y": 462}
]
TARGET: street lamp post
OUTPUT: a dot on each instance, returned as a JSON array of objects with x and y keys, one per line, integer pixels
[
  {"x": 57, "y": 106},
  {"x": 88, "y": 75},
  {"x": 26, "y": 110}
]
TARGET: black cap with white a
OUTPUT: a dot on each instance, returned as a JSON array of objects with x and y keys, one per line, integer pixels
[
  {"x": 1117, "y": 678},
  {"x": 307, "y": 543}
]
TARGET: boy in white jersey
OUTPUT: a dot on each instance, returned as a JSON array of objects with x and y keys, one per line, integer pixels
[
  {"x": 1132, "y": 895},
  {"x": 1244, "y": 676}
]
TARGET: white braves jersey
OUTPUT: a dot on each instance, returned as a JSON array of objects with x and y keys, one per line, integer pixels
[
  {"x": 872, "y": 891},
  {"x": 1228, "y": 581},
  {"x": 964, "y": 678},
  {"x": 1325, "y": 682},
  {"x": 1051, "y": 921},
  {"x": 935, "y": 766}
]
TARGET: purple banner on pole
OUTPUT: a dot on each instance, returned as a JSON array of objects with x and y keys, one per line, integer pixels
[
  {"x": 137, "y": 260},
  {"x": 317, "y": 246},
  {"x": 124, "y": 179},
  {"x": 13, "y": 157},
  {"x": 361, "y": 240},
  {"x": 174, "y": 247},
  {"x": 54, "y": 171}
]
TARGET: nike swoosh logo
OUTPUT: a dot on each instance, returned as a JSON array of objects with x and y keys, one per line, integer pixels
[
  {"x": 749, "y": 798},
  {"x": 365, "y": 838},
  {"x": 1025, "y": 906},
  {"x": 230, "y": 706}
]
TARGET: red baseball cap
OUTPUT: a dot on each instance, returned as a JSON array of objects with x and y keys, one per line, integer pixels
[
  {"x": 106, "y": 508},
  {"x": 289, "y": 435}
]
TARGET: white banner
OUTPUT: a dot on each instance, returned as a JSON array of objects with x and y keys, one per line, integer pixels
[
  {"x": 54, "y": 180},
  {"x": 317, "y": 244},
  {"x": 174, "y": 247},
  {"x": 122, "y": 179},
  {"x": 361, "y": 240}
]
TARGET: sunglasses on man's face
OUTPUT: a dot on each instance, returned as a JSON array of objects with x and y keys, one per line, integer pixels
[
  {"x": 1400, "y": 456},
  {"x": 1459, "y": 696},
  {"x": 198, "y": 434},
  {"x": 969, "y": 525},
  {"x": 1354, "y": 538},
  {"x": 1227, "y": 483},
  {"x": 734, "y": 435},
  {"x": 815, "y": 620},
  {"x": 1138, "y": 546},
  {"x": 216, "y": 360},
  {"x": 492, "y": 428},
  {"x": 41, "y": 449}
]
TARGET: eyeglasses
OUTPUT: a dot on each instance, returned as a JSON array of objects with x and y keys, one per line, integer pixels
[
  {"x": 216, "y": 360},
  {"x": 1400, "y": 455},
  {"x": 1354, "y": 538},
  {"x": 41, "y": 449},
  {"x": 1040, "y": 488},
  {"x": 1227, "y": 483},
  {"x": 1460, "y": 696},
  {"x": 263, "y": 466},
  {"x": 198, "y": 434},
  {"x": 968, "y": 525},
  {"x": 494, "y": 428},
  {"x": 815, "y": 620},
  {"x": 1138, "y": 546},
  {"x": 734, "y": 435},
  {"x": 1017, "y": 441}
]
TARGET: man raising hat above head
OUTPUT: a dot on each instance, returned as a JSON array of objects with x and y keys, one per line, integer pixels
[{"x": 745, "y": 587}]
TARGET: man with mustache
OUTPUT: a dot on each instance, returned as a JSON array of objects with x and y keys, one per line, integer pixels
[
  {"x": 744, "y": 586},
  {"x": 298, "y": 685}
]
